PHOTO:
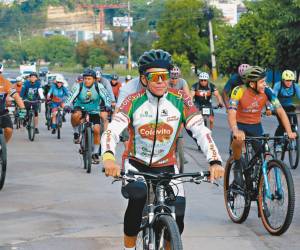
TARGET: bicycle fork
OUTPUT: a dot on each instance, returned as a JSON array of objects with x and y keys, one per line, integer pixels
[{"x": 267, "y": 191}]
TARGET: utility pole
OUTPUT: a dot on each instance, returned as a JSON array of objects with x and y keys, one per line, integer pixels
[
  {"x": 129, "y": 39},
  {"x": 20, "y": 36},
  {"x": 209, "y": 16},
  {"x": 212, "y": 52}
]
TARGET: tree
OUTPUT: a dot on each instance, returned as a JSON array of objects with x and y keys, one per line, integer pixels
[
  {"x": 96, "y": 57},
  {"x": 178, "y": 30}
]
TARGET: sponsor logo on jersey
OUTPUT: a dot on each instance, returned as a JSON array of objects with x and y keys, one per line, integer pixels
[
  {"x": 163, "y": 131},
  {"x": 172, "y": 118}
]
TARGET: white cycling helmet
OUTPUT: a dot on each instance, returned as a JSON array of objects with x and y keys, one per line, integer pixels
[
  {"x": 98, "y": 74},
  {"x": 175, "y": 72},
  {"x": 19, "y": 79},
  {"x": 203, "y": 76},
  {"x": 128, "y": 78},
  {"x": 1, "y": 67},
  {"x": 59, "y": 78}
]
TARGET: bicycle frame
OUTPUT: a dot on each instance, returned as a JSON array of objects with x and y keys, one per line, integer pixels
[{"x": 265, "y": 154}]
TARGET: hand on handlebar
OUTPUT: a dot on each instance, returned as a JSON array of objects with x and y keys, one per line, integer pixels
[
  {"x": 111, "y": 168},
  {"x": 216, "y": 172},
  {"x": 292, "y": 135},
  {"x": 238, "y": 135}
]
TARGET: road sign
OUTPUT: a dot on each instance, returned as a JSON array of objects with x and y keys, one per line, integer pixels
[{"x": 122, "y": 21}]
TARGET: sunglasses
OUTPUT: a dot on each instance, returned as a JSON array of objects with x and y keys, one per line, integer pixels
[{"x": 155, "y": 76}]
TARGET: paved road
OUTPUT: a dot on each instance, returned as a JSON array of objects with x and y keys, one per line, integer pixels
[{"x": 49, "y": 202}]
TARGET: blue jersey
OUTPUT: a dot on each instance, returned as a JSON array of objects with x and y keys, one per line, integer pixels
[
  {"x": 89, "y": 98},
  {"x": 31, "y": 91},
  {"x": 58, "y": 95},
  {"x": 285, "y": 95},
  {"x": 234, "y": 81}
]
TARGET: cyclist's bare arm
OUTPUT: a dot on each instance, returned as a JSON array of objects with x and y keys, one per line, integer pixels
[
  {"x": 186, "y": 90},
  {"x": 238, "y": 134},
  {"x": 285, "y": 122},
  {"x": 18, "y": 100},
  {"x": 219, "y": 98},
  {"x": 225, "y": 98}
]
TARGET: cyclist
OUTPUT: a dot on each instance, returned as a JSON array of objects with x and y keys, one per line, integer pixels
[
  {"x": 106, "y": 84},
  {"x": 88, "y": 95},
  {"x": 116, "y": 85},
  {"x": 202, "y": 92},
  {"x": 234, "y": 81},
  {"x": 176, "y": 82},
  {"x": 32, "y": 91},
  {"x": 5, "y": 120},
  {"x": 79, "y": 78},
  {"x": 18, "y": 85},
  {"x": 285, "y": 90},
  {"x": 244, "y": 114},
  {"x": 127, "y": 79},
  {"x": 57, "y": 95},
  {"x": 159, "y": 110}
]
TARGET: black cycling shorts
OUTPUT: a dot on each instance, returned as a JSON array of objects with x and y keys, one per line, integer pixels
[
  {"x": 35, "y": 107},
  {"x": 5, "y": 121},
  {"x": 95, "y": 119}
]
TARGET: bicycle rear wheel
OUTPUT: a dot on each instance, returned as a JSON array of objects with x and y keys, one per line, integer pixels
[
  {"x": 3, "y": 160},
  {"x": 30, "y": 127},
  {"x": 294, "y": 152},
  {"x": 276, "y": 211},
  {"x": 167, "y": 233},
  {"x": 237, "y": 202}
]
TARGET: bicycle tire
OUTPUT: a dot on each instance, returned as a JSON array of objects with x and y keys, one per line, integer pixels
[
  {"x": 291, "y": 199},
  {"x": 206, "y": 120},
  {"x": 166, "y": 223},
  {"x": 31, "y": 128},
  {"x": 48, "y": 118},
  {"x": 3, "y": 161},
  {"x": 229, "y": 197},
  {"x": 294, "y": 159},
  {"x": 88, "y": 149},
  {"x": 58, "y": 122},
  {"x": 180, "y": 154}
]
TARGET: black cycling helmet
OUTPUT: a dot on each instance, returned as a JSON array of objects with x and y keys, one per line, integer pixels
[
  {"x": 89, "y": 72},
  {"x": 253, "y": 74},
  {"x": 155, "y": 59},
  {"x": 115, "y": 77},
  {"x": 33, "y": 74}
]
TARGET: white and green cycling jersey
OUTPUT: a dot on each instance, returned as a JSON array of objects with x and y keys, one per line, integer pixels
[{"x": 89, "y": 98}]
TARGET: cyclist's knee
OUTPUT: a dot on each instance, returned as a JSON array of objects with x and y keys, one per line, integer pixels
[
  {"x": 136, "y": 190},
  {"x": 8, "y": 133},
  {"x": 75, "y": 118},
  {"x": 237, "y": 149}
]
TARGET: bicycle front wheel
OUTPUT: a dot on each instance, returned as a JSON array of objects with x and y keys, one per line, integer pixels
[
  {"x": 167, "y": 233},
  {"x": 294, "y": 152},
  {"x": 237, "y": 202},
  {"x": 59, "y": 124},
  {"x": 276, "y": 205},
  {"x": 3, "y": 161},
  {"x": 30, "y": 128},
  {"x": 87, "y": 154}
]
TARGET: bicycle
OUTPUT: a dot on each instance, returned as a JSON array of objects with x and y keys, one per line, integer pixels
[
  {"x": 86, "y": 141},
  {"x": 30, "y": 120},
  {"x": 59, "y": 121},
  {"x": 3, "y": 157},
  {"x": 48, "y": 115},
  {"x": 159, "y": 219},
  {"x": 290, "y": 146},
  {"x": 265, "y": 180},
  {"x": 206, "y": 112}
]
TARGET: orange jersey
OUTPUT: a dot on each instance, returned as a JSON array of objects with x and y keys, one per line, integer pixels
[
  {"x": 249, "y": 104},
  {"x": 5, "y": 89},
  {"x": 18, "y": 88}
]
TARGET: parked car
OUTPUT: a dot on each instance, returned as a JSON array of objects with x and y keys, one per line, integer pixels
[{"x": 43, "y": 71}]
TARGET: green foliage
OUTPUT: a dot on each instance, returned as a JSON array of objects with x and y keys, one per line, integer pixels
[
  {"x": 182, "y": 62},
  {"x": 262, "y": 38},
  {"x": 96, "y": 57}
]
